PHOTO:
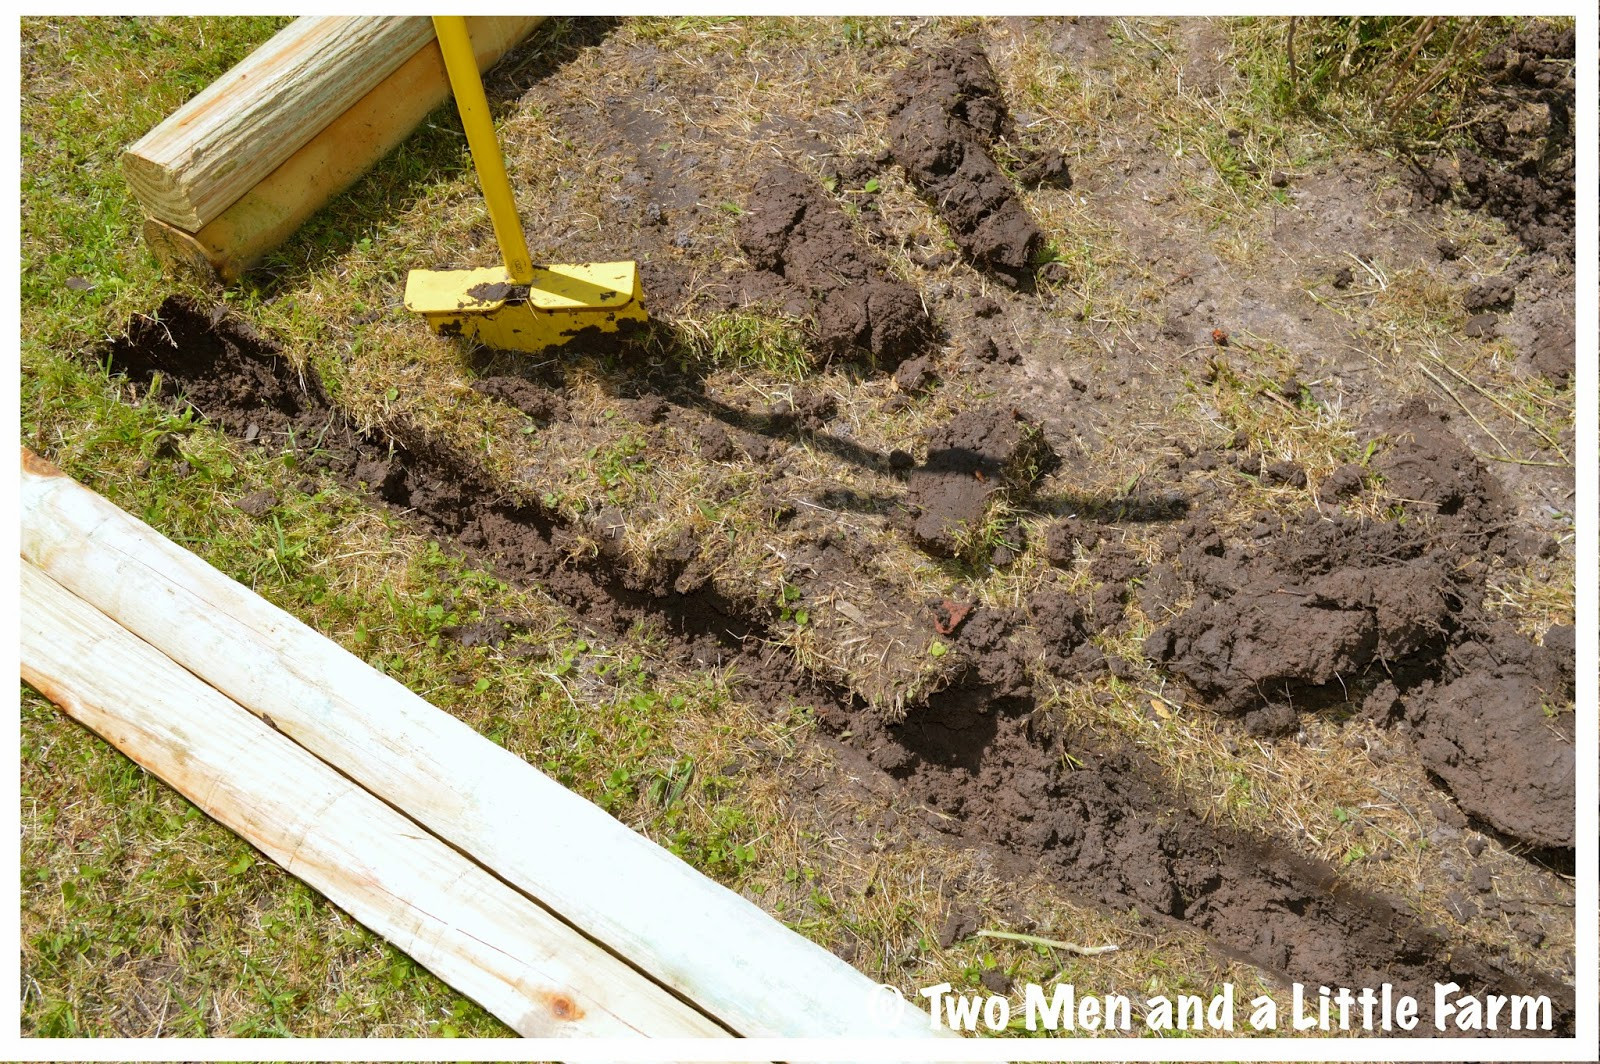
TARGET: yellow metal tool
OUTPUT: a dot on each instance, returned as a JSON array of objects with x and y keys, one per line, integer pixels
[{"x": 518, "y": 306}]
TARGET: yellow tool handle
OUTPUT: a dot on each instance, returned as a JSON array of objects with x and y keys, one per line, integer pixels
[{"x": 462, "y": 66}]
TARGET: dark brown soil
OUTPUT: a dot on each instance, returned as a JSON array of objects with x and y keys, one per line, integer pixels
[
  {"x": 792, "y": 231},
  {"x": 1331, "y": 607},
  {"x": 1103, "y": 830},
  {"x": 539, "y": 403},
  {"x": 970, "y": 458},
  {"x": 1104, "y": 827},
  {"x": 946, "y": 112},
  {"x": 1554, "y": 350},
  {"x": 1522, "y": 168},
  {"x": 1495, "y": 735}
]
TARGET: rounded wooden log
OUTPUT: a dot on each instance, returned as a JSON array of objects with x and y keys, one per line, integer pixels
[
  {"x": 217, "y": 146},
  {"x": 461, "y": 923},
  {"x": 330, "y": 162},
  {"x": 687, "y": 932}
]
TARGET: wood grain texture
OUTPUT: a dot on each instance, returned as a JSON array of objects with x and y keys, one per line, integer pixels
[
  {"x": 458, "y": 921},
  {"x": 242, "y": 126},
  {"x": 683, "y": 929},
  {"x": 356, "y": 140}
]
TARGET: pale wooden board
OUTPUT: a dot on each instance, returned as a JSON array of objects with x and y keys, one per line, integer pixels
[
  {"x": 477, "y": 934},
  {"x": 356, "y": 140},
  {"x": 216, "y": 147},
  {"x": 685, "y": 930}
]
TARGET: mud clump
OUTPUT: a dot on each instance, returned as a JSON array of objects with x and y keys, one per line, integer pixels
[
  {"x": 1433, "y": 475},
  {"x": 973, "y": 457},
  {"x": 1333, "y": 606},
  {"x": 992, "y": 769},
  {"x": 991, "y": 640},
  {"x": 792, "y": 231},
  {"x": 945, "y": 112},
  {"x": 1064, "y": 537},
  {"x": 1554, "y": 353},
  {"x": 539, "y": 403},
  {"x": 1264, "y": 628},
  {"x": 1494, "y": 736},
  {"x": 1523, "y": 166}
]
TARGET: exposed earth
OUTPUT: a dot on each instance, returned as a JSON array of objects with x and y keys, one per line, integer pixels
[{"x": 1093, "y": 431}]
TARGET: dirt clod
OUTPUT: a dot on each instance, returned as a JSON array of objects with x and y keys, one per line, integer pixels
[
  {"x": 960, "y": 924},
  {"x": 1297, "y": 621},
  {"x": 257, "y": 503},
  {"x": 1344, "y": 481},
  {"x": 1554, "y": 351},
  {"x": 975, "y": 455},
  {"x": 1431, "y": 473},
  {"x": 791, "y": 229},
  {"x": 1062, "y": 539},
  {"x": 1493, "y": 293},
  {"x": 945, "y": 112},
  {"x": 537, "y": 402},
  {"x": 1496, "y": 738},
  {"x": 1287, "y": 473},
  {"x": 1281, "y": 626},
  {"x": 995, "y": 981},
  {"x": 914, "y": 375}
]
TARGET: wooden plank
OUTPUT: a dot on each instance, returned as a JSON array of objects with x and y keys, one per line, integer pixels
[
  {"x": 216, "y": 147},
  {"x": 477, "y": 934},
  {"x": 330, "y": 162},
  {"x": 686, "y": 931}
]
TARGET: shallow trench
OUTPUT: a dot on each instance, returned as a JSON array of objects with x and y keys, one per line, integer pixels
[{"x": 1106, "y": 827}]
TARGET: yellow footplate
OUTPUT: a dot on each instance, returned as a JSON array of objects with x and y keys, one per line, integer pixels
[{"x": 561, "y": 302}]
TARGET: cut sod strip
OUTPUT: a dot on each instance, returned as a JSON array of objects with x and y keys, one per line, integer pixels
[
  {"x": 687, "y": 932},
  {"x": 477, "y": 934}
]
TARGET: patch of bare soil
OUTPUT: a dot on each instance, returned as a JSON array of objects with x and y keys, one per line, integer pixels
[{"x": 1091, "y": 809}]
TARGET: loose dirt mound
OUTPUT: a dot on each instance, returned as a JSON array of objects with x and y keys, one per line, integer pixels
[
  {"x": 1523, "y": 168},
  {"x": 1495, "y": 736},
  {"x": 1288, "y": 624},
  {"x": 793, "y": 231},
  {"x": 1331, "y": 607},
  {"x": 945, "y": 112},
  {"x": 1105, "y": 827},
  {"x": 1434, "y": 477},
  {"x": 231, "y": 376}
]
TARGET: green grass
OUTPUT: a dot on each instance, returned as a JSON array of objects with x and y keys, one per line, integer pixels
[
  {"x": 84, "y": 100},
  {"x": 738, "y": 339},
  {"x": 1402, "y": 74}
]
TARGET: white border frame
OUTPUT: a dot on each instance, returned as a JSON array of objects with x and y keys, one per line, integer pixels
[{"x": 1582, "y": 1046}]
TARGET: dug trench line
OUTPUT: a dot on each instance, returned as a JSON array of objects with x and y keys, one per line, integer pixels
[{"x": 1105, "y": 828}]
